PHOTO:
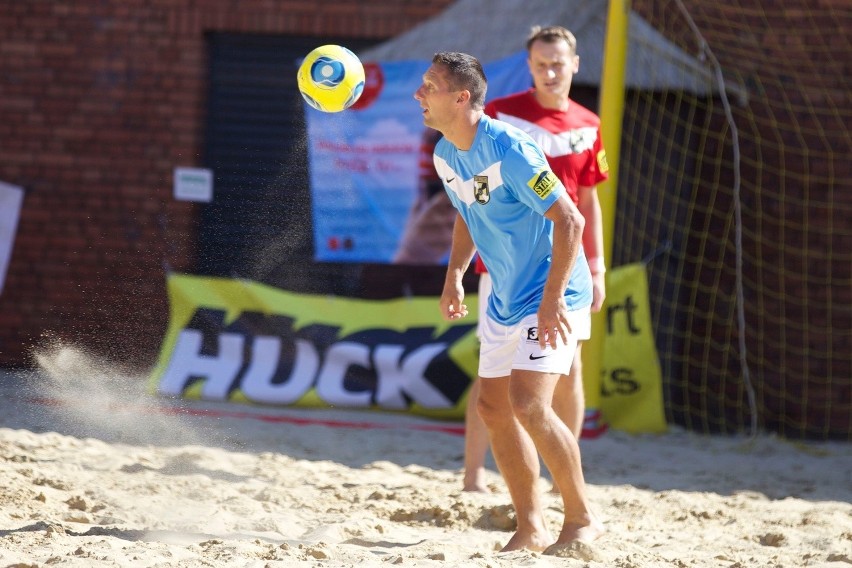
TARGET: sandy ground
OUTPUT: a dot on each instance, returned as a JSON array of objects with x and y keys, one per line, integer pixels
[{"x": 95, "y": 472}]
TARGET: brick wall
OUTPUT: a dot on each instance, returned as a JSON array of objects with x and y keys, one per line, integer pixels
[{"x": 98, "y": 103}]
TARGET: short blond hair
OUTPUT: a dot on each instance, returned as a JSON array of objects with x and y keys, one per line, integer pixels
[{"x": 552, "y": 34}]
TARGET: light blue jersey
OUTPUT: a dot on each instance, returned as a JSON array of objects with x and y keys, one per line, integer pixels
[{"x": 502, "y": 187}]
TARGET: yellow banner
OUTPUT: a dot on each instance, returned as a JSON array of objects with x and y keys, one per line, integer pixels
[
  {"x": 243, "y": 341},
  {"x": 631, "y": 386}
]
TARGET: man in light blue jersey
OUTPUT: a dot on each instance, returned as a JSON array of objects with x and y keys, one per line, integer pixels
[{"x": 517, "y": 214}]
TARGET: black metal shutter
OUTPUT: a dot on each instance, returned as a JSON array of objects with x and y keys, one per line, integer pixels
[{"x": 259, "y": 223}]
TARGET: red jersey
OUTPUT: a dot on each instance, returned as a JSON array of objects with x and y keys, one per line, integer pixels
[{"x": 571, "y": 140}]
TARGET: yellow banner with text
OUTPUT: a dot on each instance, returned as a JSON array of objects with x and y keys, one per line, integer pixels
[
  {"x": 242, "y": 341},
  {"x": 631, "y": 382},
  {"x": 239, "y": 340}
]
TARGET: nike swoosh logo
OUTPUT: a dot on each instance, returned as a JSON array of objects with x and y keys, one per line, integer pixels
[
  {"x": 539, "y": 357},
  {"x": 449, "y": 180}
]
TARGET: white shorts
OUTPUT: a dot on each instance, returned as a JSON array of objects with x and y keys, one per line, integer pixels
[
  {"x": 583, "y": 331},
  {"x": 503, "y": 348}
]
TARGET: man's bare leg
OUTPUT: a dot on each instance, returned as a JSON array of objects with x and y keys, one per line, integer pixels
[
  {"x": 569, "y": 399},
  {"x": 517, "y": 461},
  {"x": 475, "y": 444},
  {"x": 530, "y": 394}
]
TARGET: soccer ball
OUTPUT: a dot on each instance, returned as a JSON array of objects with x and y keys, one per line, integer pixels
[{"x": 331, "y": 78}]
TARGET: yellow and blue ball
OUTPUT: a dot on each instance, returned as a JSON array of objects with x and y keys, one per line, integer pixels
[{"x": 331, "y": 78}]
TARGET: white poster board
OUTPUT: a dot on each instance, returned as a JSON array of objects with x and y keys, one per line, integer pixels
[
  {"x": 193, "y": 184},
  {"x": 11, "y": 198}
]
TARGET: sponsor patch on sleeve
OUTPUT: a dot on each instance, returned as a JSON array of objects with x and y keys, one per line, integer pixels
[
  {"x": 543, "y": 183},
  {"x": 603, "y": 165}
]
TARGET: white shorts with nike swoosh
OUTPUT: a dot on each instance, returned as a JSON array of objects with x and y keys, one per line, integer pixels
[{"x": 504, "y": 348}]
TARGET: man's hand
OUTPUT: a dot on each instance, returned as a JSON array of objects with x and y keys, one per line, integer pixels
[
  {"x": 451, "y": 304},
  {"x": 553, "y": 322}
]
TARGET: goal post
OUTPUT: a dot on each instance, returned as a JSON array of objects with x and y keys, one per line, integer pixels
[{"x": 611, "y": 109}]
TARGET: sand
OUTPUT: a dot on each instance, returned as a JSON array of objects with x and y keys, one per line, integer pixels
[{"x": 96, "y": 472}]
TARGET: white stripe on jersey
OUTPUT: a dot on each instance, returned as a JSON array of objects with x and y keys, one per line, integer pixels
[
  {"x": 555, "y": 145},
  {"x": 463, "y": 188}
]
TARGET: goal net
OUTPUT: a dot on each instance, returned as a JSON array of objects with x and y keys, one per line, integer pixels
[{"x": 736, "y": 189}]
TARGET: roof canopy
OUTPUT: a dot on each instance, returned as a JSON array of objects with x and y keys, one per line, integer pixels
[{"x": 494, "y": 29}]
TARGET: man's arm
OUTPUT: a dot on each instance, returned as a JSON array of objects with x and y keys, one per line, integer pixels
[
  {"x": 567, "y": 235},
  {"x": 461, "y": 253},
  {"x": 590, "y": 207}
]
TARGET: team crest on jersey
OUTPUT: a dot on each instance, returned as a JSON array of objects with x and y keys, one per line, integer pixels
[
  {"x": 582, "y": 139},
  {"x": 480, "y": 189},
  {"x": 543, "y": 183},
  {"x": 603, "y": 165}
]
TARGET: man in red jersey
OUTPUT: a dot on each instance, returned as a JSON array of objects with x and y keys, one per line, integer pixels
[{"x": 570, "y": 136}]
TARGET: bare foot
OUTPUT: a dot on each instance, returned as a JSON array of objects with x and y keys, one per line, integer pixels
[
  {"x": 474, "y": 481},
  {"x": 573, "y": 532},
  {"x": 536, "y": 541}
]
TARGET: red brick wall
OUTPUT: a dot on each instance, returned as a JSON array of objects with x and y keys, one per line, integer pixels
[{"x": 99, "y": 101}]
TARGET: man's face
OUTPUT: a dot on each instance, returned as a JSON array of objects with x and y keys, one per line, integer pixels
[
  {"x": 552, "y": 66},
  {"x": 437, "y": 98}
]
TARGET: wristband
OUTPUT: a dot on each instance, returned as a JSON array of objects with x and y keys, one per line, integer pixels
[{"x": 596, "y": 265}]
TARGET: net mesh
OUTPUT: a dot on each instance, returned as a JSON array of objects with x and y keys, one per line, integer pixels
[{"x": 736, "y": 189}]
